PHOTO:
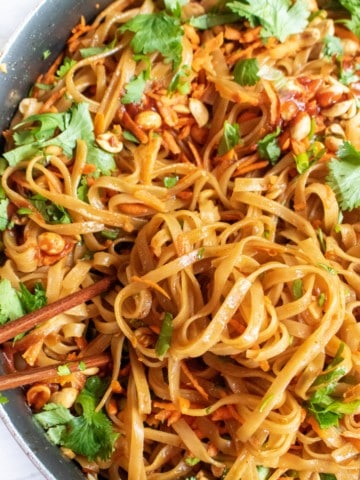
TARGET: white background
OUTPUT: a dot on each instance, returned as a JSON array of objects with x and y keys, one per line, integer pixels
[{"x": 14, "y": 463}]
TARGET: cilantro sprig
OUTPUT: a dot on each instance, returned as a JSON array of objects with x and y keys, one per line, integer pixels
[
  {"x": 230, "y": 137},
  {"x": 15, "y": 303},
  {"x": 353, "y": 7},
  {"x": 278, "y": 18},
  {"x": 156, "y": 32},
  {"x": 344, "y": 176},
  {"x": 39, "y": 131},
  {"x": 87, "y": 432},
  {"x": 324, "y": 405}
]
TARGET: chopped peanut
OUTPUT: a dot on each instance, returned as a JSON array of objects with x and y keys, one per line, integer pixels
[
  {"x": 148, "y": 120},
  {"x": 51, "y": 243}
]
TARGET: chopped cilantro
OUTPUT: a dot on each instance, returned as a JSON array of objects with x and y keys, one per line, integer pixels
[
  {"x": 327, "y": 476},
  {"x": 10, "y": 304},
  {"x": 171, "y": 181},
  {"x": 82, "y": 189},
  {"x": 130, "y": 137},
  {"x": 4, "y": 218},
  {"x": 192, "y": 461},
  {"x": 268, "y": 147},
  {"x": 328, "y": 268},
  {"x": 63, "y": 370},
  {"x": 51, "y": 212},
  {"x": 24, "y": 211},
  {"x": 278, "y": 18},
  {"x": 67, "y": 64},
  {"x": 210, "y": 20},
  {"x": 82, "y": 366},
  {"x": 179, "y": 81},
  {"x": 263, "y": 472},
  {"x": 297, "y": 288},
  {"x": 230, "y": 137},
  {"x": 174, "y": 6},
  {"x": 332, "y": 46},
  {"x": 353, "y": 7},
  {"x": 321, "y": 299},
  {"x": 344, "y": 176},
  {"x": 32, "y": 301},
  {"x": 110, "y": 234},
  {"x": 156, "y": 32},
  {"x": 37, "y": 132},
  {"x": 89, "y": 433},
  {"x": 164, "y": 339},
  {"x": 246, "y": 72},
  {"x": 135, "y": 89},
  {"x": 323, "y": 405},
  {"x": 46, "y": 54}
]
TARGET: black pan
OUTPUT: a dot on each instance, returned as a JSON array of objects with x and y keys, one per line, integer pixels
[{"x": 46, "y": 29}]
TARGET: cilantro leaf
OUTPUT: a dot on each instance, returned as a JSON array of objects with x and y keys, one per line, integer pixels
[
  {"x": 10, "y": 304},
  {"x": 174, "y": 6},
  {"x": 74, "y": 124},
  {"x": 332, "y": 46},
  {"x": 230, "y": 138},
  {"x": 353, "y": 23},
  {"x": 268, "y": 147},
  {"x": 344, "y": 176},
  {"x": 246, "y": 72},
  {"x": 4, "y": 218},
  {"x": 51, "y": 212},
  {"x": 67, "y": 64},
  {"x": 323, "y": 405},
  {"x": 164, "y": 339},
  {"x": 90, "y": 433},
  {"x": 156, "y": 32},
  {"x": 210, "y": 20},
  {"x": 278, "y": 18},
  {"x": 32, "y": 301},
  {"x": 82, "y": 189},
  {"x": 135, "y": 89}
]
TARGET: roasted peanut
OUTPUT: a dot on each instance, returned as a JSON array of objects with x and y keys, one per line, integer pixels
[
  {"x": 37, "y": 396},
  {"x": 301, "y": 126},
  {"x": 109, "y": 142},
  {"x": 199, "y": 111},
  {"x": 65, "y": 397},
  {"x": 51, "y": 243},
  {"x": 148, "y": 120}
]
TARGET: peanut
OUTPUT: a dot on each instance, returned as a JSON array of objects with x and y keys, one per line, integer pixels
[
  {"x": 51, "y": 243},
  {"x": 148, "y": 120}
]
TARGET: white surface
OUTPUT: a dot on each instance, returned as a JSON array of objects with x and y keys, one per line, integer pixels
[{"x": 15, "y": 465}]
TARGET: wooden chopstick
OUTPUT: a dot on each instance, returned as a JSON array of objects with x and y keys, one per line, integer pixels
[
  {"x": 43, "y": 374},
  {"x": 30, "y": 320}
]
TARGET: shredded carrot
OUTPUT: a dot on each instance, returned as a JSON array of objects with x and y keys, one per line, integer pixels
[
  {"x": 155, "y": 329},
  {"x": 236, "y": 325},
  {"x": 99, "y": 123},
  {"x": 52, "y": 99},
  {"x": 112, "y": 408},
  {"x": 88, "y": 168},
  {"x": 116, "y": 387},
  {"x": 48, "y": 78},
  {"x": 151, "y": 284},
  {"x": 193, "y": 380},
  {"x": 134, "y": 209},
  {"x": 250, "y": 168},
  {"x": 226, "y": 412}
]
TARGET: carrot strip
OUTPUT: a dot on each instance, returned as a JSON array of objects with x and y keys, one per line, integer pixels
[{"x": 193, "y": 380}]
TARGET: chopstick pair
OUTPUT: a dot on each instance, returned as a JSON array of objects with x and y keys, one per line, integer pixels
[{"x": 30, "y": 320}]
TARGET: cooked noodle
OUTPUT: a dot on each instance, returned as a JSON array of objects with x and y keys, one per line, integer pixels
[{"x": 254, "y": 266}]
